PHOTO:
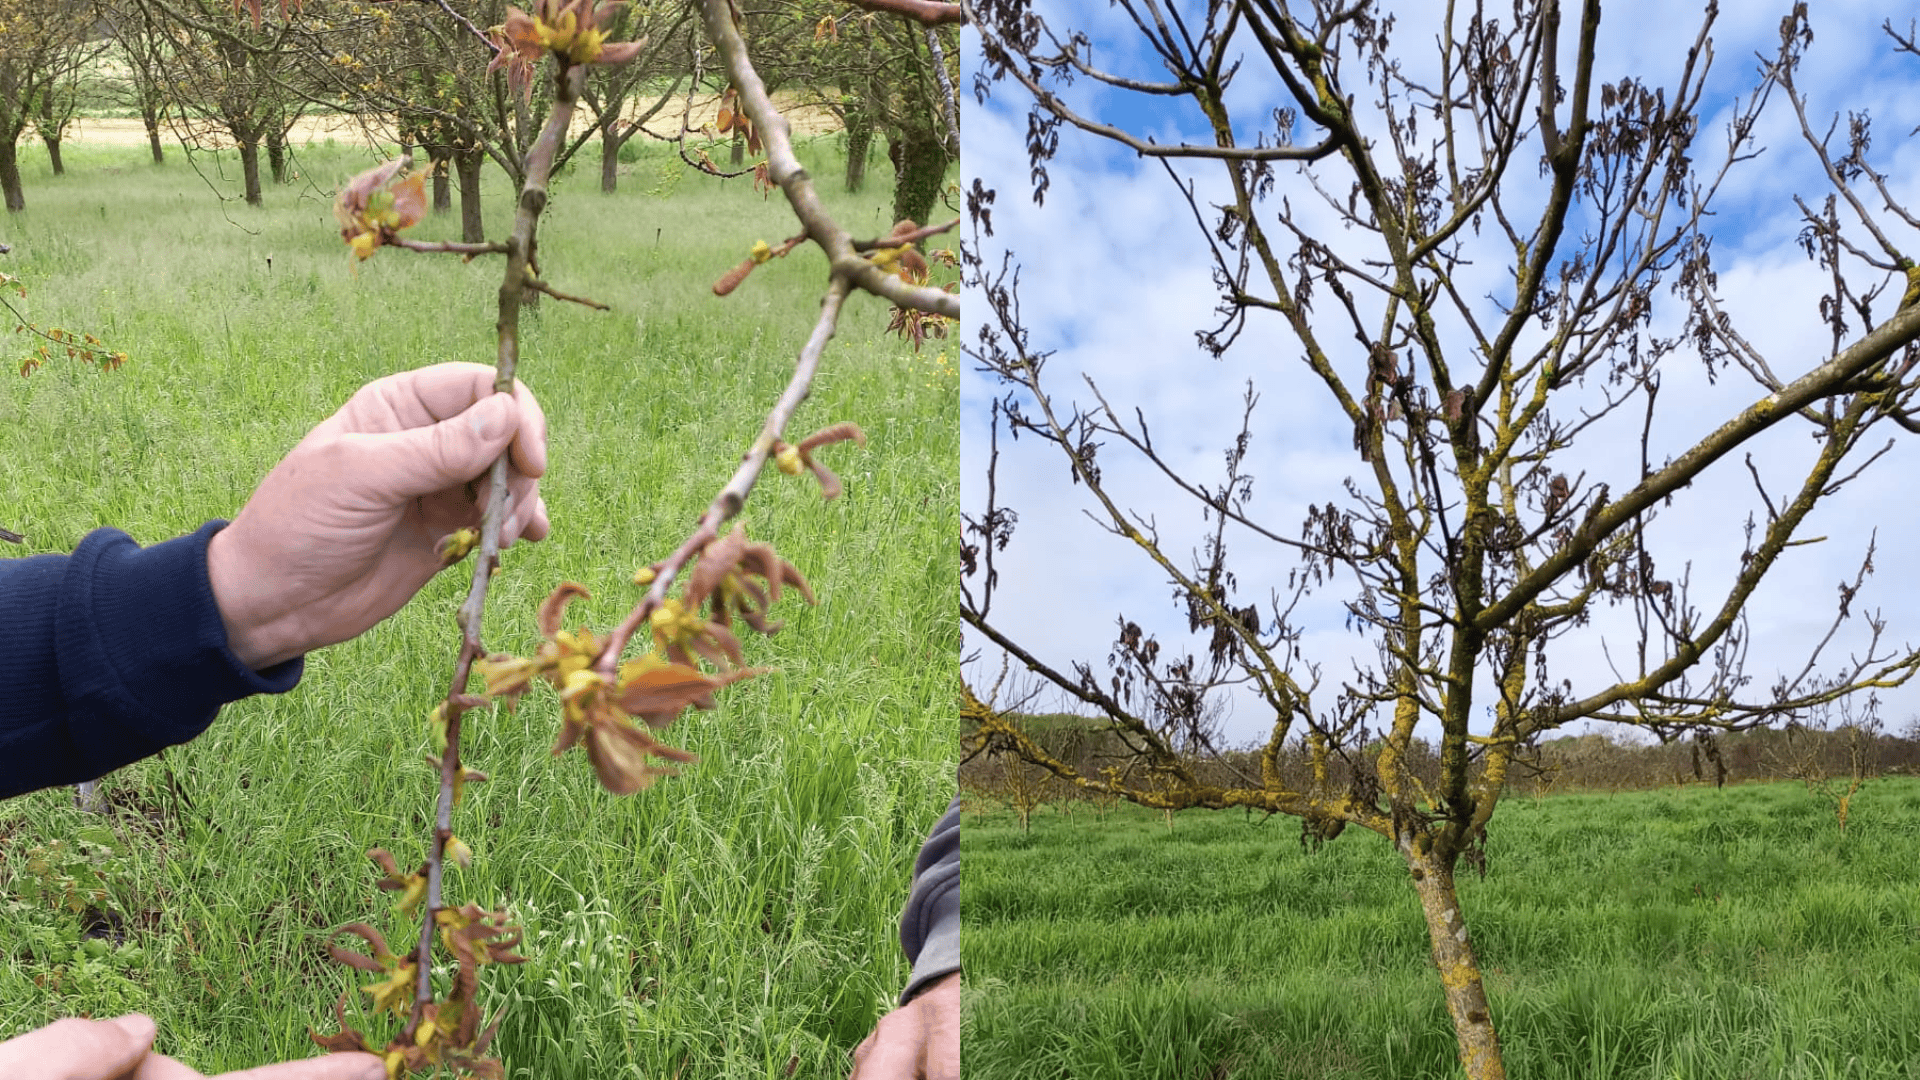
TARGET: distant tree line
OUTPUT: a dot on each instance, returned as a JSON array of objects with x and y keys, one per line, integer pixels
[
  {"x": 211, "y": 74},
  {"x": 1829, "y": 755}
]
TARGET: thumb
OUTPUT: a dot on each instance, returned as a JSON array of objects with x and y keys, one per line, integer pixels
[
  {"x": 77, "y": 1049},
  {"x": 425, "y": 460}
]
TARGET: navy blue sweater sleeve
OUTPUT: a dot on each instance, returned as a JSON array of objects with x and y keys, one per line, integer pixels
[
  {"x": 110, "y": 655},
  {"x": 930, "y": 926}
]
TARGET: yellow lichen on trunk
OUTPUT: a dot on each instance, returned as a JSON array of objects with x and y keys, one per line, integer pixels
[{"x": 1459, "y": 968}]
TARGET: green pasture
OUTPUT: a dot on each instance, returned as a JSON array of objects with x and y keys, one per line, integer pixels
[
  {"x": 737, "y": 921},
  {"x": 1692, "y": 934}
]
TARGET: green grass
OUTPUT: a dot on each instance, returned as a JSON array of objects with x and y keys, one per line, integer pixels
[
  {"x": 1673, "y": 935},
  {"x": 737, "y": 921}
]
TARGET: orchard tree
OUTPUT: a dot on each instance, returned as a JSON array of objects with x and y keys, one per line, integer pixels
[
  {"x": 1487, "y": 259},
  {"x": 59, "y": 96},
  {"x": 38, "y": 40},
  {"x": 147, "y": 49},
  {"x": 650, "y": 83},
  {"x": 426, "y": 68},
  {"x": 228, "y": 81}
]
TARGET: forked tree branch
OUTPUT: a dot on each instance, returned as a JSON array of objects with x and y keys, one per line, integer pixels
[{"x": 785, "y": 169}]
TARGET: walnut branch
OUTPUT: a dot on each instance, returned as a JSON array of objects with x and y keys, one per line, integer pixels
[
  {"x": 540, "y": 286},
  {"x": 485, "y": 247},
  {"x": 733, "y": 496},
  {"x": 1822, "y": 382},
  {"x": 568, "y": 79},
  {"x": 785, "y": 169},
  {"x": 929, "y": 12}
]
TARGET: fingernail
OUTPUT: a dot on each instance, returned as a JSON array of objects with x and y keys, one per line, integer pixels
[
  {"x": 138, "y": 1025},
  {"x": 491, "y": 419}
]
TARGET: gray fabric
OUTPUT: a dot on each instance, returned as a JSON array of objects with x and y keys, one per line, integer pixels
[{"x": 930, "y": 925}]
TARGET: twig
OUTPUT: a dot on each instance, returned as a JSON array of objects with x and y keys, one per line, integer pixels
[
  {"x": 485, "y": 247},
  {"x": 930, "y": 12},
  {"x": 948, "y": 100},
  {"x": 540, "y": 286},
  {"x": 913, "y": 237},
  {"x": 734, "y": 495},
  {"x": 463, "y": 21}
]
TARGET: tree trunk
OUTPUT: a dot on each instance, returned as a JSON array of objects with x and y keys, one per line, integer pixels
[
  {"x": 250, "y": 167},
  {"x": 467, "y": 163},
  {"x": 1459, "y": 967},
  {"x": 48, "y": 127},
  {"x": 859, "y": 143},
  {"x": 10, "y": 175},
  {"x": 151, "y": 118},
  {"x": 610, "y": 143},
  {"x": 277, "y": 157},
  {"x": 920, "y": 171},
  {"x": 439, "y": 156},
  {"x": 739, "y": 148}
]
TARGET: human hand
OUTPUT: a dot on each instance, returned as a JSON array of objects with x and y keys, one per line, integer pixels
[
  {"x": 918, "y": 1039},
  {"x": 342, "y": 532},
  {"x": 121, "y": 1049}
]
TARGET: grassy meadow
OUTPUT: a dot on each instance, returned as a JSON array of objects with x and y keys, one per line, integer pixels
[
  {"x": 1684, "y": 934},
  {"x": 737, "y": 921}
]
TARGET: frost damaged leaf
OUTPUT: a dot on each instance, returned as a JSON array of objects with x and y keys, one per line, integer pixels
[
  {"x": 392, "y": 993},
  {"x": 724, "y": 577},
  {"x": 382, "y": 958},
  {"x": 554, "y": 609},
  {"x": 506, "y": 676},
  {"x": 374, "y": 206},
  {"x": 830, "y": 486},
  {"x": 657, "y": 691},
  {"x": 464, "y": 928},
  {"x": 619, "y": 752},
  {"x": 717, "y": 560},
  {"x": 412, "y": 887},
  {"x": 346, "y": 1039}
]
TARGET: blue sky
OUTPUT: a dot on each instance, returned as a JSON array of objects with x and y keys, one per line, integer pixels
[{"x": 1115, "y": 280}]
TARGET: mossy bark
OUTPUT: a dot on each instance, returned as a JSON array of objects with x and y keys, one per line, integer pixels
[
  {"x": 920, "y": 169},
  {"x": 1459, "y": 968}
]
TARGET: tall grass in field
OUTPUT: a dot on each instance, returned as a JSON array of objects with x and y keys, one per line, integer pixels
[
  {"x": 737, "y": 921},
  {"x": 1692, "y": 934}
]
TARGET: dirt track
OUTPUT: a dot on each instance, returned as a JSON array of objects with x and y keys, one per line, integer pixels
[{"x": 348, "y": 129}]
